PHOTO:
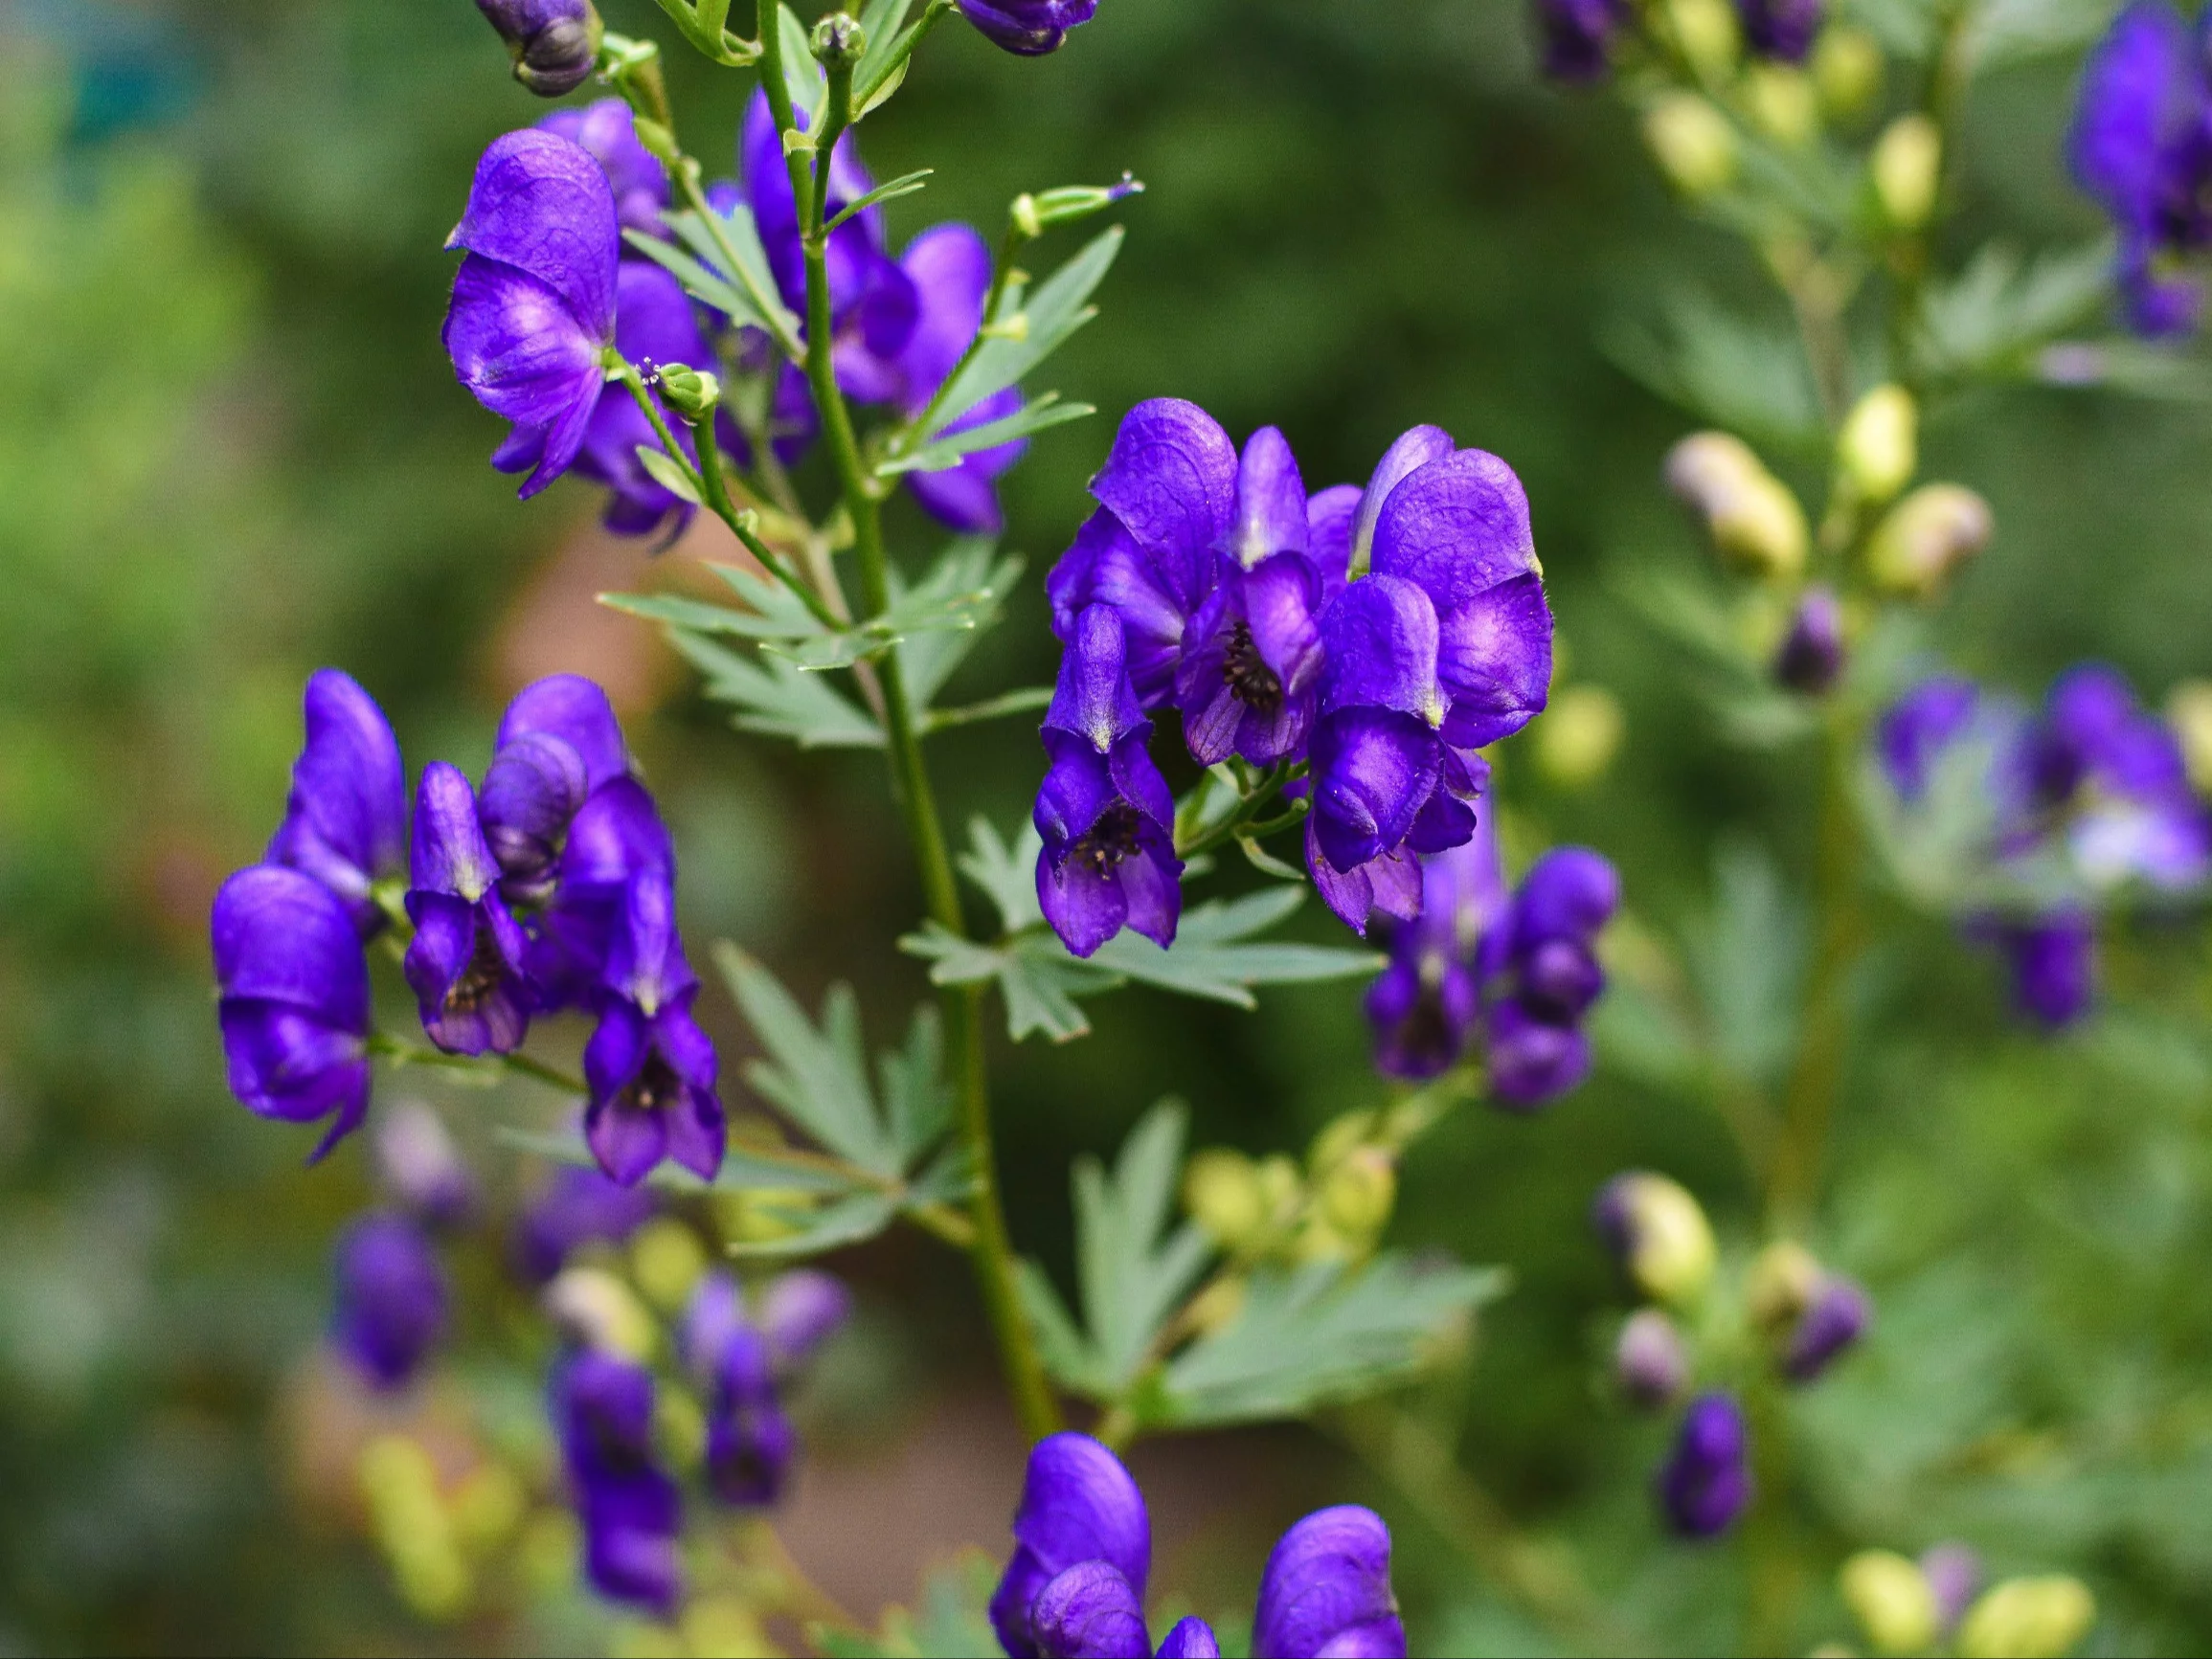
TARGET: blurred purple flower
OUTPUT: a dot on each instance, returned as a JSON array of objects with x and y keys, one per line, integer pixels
[
  {"x": 578, "y": 1206},
  {"x": 345, "y": 819},
  {"x": 1783, "y": 30},
  {"x": 1707, "y": 1483},
  {"x": 631, "y": 1511},
  {"x": 392, "y": 1298},
  {"x": 420, "y": 1166},
  {"x": 1079, "y": 1503},
  {"x": 1835, "y": 1319},
  {"x": 1578, "y": 38},
  {"x": 1811, "y": 659}
]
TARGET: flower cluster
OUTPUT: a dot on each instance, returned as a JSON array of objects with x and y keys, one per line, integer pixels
[
  {"x": 553, "y": 291},
  {"x": 1580, "y": 38},
  {"x": 1083, "y": 1549},
  {"x": 2063, "y": 806},
  {"x": 552, "y": 888},
  {"x": 1790, "y": 1313},
  {"x": 1937, "y": 1605},
  {"x": 1522, "y": 968},
  {"x": 1359, "y": 646},
  {"x": 2141, "y": 144}
]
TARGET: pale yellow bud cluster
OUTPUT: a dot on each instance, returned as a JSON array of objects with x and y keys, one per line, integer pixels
[
  {"x": 1753, "y": 519},
  {"x": 436, "y": 1538},
  {"x": 1914, "y": 551},
  {"x": 1898, "y": 1610}
]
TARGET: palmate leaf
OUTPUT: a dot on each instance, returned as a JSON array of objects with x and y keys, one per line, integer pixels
[
  {"x": 775, "y": 699},
  {"x": 1052, "y": 312},
  {"x": 1707, "y": 359},
  {"x": 1997, "y": 314},
  {"x": 970, "y": 580},
  {"x": 947, "y": 449}
]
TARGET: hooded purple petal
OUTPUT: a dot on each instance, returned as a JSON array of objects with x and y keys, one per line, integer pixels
[
  {"x": 1326, "y": 1590},
  {"x": 606, "y": 130},
  {"x": 1456, "y": 526},
  {"x": 536, "y": 785},
  {"x": 1028, "y": 28},
  {"x": 1079, "y": 1503},
  {"x": 1154, "y": 593},
  {"x": 542, "y": 206},
  {"x": 1380, "y": 637},
  {"x": 1271, "y": 501},
  {"x": 573, "y": 709},
  {"x": 1494, "y": 660},
  {"x": 345, "y": 819},
  {"x": 1090, "y": 1612},
  {"x": 1707, "y": 1482},
  {"x": 1373, "y": 769},
  {"x": 1171, "y": 481},
  {"x": 1190, "y": 1639},
  {"x": 1411, "y": 451}
]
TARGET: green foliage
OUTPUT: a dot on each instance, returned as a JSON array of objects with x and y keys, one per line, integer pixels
[{"x": 1050, "y": 315}]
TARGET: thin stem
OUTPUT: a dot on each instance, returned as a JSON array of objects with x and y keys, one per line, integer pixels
[
  {"x": 1028, "y": 700},
  {"x": 918, "y": 427},
  {"x": 1239, "y": 820},
  {"x": 992, "y": 1252},
  {"x": 901, "y": 49}
]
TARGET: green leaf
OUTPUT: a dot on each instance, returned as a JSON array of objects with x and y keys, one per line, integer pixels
[
  {"x": 946, "y": 450},
  {"x": 702, "y": 280},
  {"x": 962, "y": 594},
  {"x": 744, "y": 1166},
  {"x": 1316, "y": 1335},
  {"x": 1995, "y": 315},
  {"x": 904, "y": 185},
  {"x": 783, "y": 610},
  {"x": 778, "y": 700},
  {"x": 809, "y": 90},
  {"x": 1732, "y": 372},
  {"x": 701, "y": 617},
  {"x": 2001, "y": 32},
  {"x": 1213, "y": 959},
  {"x": 918, "y": 1101},
  {"x": 882, "y": 19},
  {"x": 752, "y": 283},
  {"x": 971, "y": 572},
  {"x": 1748, "y": 961},
  {"x": 667, "y": 473},
  {"x": 1039, "y": 980},
  {"x": 953, "y": 1621},
  {"x": 1008, "y": 875},
  {"x": 817, "y": 1075},
  {"x": 1053, "y": 312},
  {"x": 850, "y": 1219}
]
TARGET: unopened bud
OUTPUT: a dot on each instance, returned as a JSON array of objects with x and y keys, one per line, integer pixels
[
  {"x": 1927, "y": 536},
  {"x": 1357, "y": 1194},
  {"x": 1280, "y": 1189},
  {"x": 1783, "y": 103},
  {"x": 1579, "y": 735},
  {"x": 1811, "y": 657},
  {"x": 1954, "y": 1574},
  {"x": 2189, "y": 712},
  {"x": 1879, "y": 448},
  {"x": 838, "y": 41},
  {"x": 1751, "y": 516},
  {"x": 1658, "y": 1235},
  {"x": 1891, "y": 1600},
  {"x": 1708, "y": 34},
  {"x": 1846, "y": 69},
  {"x": 1222, "y": 1191},
  {"x": 1838, "y": 1317},
  {"x": 692, "y": 393},
  {"x": 1907, "y": 167},
  {"x": 1035, "y": 215},
  {"x": 1784, "y": 1279},
  {"x": 2028, "y": 1619},
  {"x": 554, "y": 44},
  {"x": 1692, "y": 142},
  {"x": 1649, "y": 1361},
  {"x": 596, "y": 1309},
  {"x": 668, "y": 1261}
]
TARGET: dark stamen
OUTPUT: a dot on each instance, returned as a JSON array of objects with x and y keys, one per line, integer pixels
[
  {"x": 1112, "y": 838},
  {"x": 486, "y": 971},
  {"x": 1252, "y": 680}
]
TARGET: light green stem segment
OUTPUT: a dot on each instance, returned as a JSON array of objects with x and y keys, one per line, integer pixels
[{"x": 992, "y": 1251}]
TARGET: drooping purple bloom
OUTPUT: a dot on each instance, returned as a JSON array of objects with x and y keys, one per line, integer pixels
[
  {"x": 1811, "y": 659},
  {"x": 345, "y": 819},
  {"x": 1783, "y": 30},
  {"x": 558, "y": 741},
  {"x": 631, "y": 1511},
  {"x": 533, "y": 303},
  {"x": 750, "y": 1440},
  {"x": 1707, "y": 1482},
  {"x": 1578, "y": 38},
  {"x": 2052, "y": 961},
  {"x": 466, "y": 962},
  {"x": 295, "y": 1009},
  {"x": 579, "y": 1206},
  {"x": 1542, "y": 972},
  {"x": 1425, "y": 1005},
  {"x": 606, "y": 128},
  {"x": 555, "y": 43},
  {"x": 392, "y": 1298},
  {"x": 1029, "y": 28},
  {"x": 2141, "y": 147},
  {"x": 615, "y": 841},
  {"x": 1326, "y": 1590},
  {"x": 1834, "y": 1320},
  {"x": 1103, "y": 810},
  {"x": 1079, "y": 1503},
  {"x": 422, "y": 1167}
]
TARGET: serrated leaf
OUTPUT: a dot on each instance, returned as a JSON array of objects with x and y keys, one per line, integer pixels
[
  {"x": 918, "y": 1102},
  {"x": 1995, "y": 315},
  {"x": 778, "y": 700},
  {"x": 1053, "y": 312},
  {"x": 947, "y": 449},
  {"x": 969, "y": 565},
  {"x": 936, "y": 606},
  {"x": 1727, "y": 370},
  {"x": 1039, "y": 983},
  {"x": 1008, "y": 875},
  {"x": 850, "y": 1219},
  {"x": 816, "y": 1074},
  {"x": 1747, "y": 960},
  {"x": 697, "y": 616},
  {"x": 1316, "y": 1335}
]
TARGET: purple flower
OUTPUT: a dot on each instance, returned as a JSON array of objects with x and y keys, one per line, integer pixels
[
  {"x": 1835, "y": 1319},
  {"x": 1425, "y": 1006},
  {"x": 1030, "y": 27},
  {"x": 422, "y": 1167},
  {"x": 1103, "y": 810},
  {"x": 2052, "y": 960},
  {"x": 579, "y": 1206},
  {"x": 750, "y": 1442},
  {"x": 392, "y": 1298},
  {"x": 800, "y": 1311},
  {"x": 2122, "y": 771},
  {"x": 533, "y": 303},
  {"x": 631, "y": 1511},
  {"x": 346, "y": 820},
  {"x": 1326, "y": 1590},
  {"x": 1578, "y": 38},
  {"x": 466, "y": 961},
  {"x": 1089, "y": 1611},
  {"x": 555, "y": 43},
  {"x": 615, "y": 841},
  {"x": 1707, "y": 1483},
  {"x": 639, "y": 182},
  {"x": 2141, "y": 147},
  {"x": 1542, "y": 974},
  {"x": 1811, "y": 659},
  {"x": 1953, "y": 1573},
  {"x": 1919, "y": 727},
  {"x": 295, "y": 1007},
  {"x": 1191, "y": 1638},
  {"x": 1079, "y": 1503},
  {"x": 1781, "y": 29}
]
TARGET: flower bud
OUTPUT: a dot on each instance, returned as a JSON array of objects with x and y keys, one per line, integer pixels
[
  {"x": 1035, "y": 215},
  {"x": 1927, "y": 536},
  {"x": 1692, "y": 142},
  {"x": 1579, "y": 735},
  {"x": 1357, "y": 1194},
  {"x": 666, "y": 1260},
  {"x": 1784, "y": 1280},
  {"x": 1783, "y": 103},
  {"x": 2189, "y": 712},
  {"x": 838, "y": 41},
  {"x": 596, "y": 1310},
  {"x": 1753, "y": 517},
  {"x": 1954, "y": 1574},
  {"x": 2028, "y": 1619},
  {"x": 1707, "y": 32},
  {"x": 690, "y": 393},
  {"x": 800, "y": 1311},
  {"x": 1811, "y": 659},
  {"x": 1649, "y": 1361},
  {"x": 1658, "y": 1235},
  {"x": 1891, "y": 1600},
  {"x": 1846, "y": 69},
  {"x": 1879, "y": 448},
  {"x": 1222, "y": 1191},
  {"x": 1839, "y": 1315},
  {"x": 1907, "y": 167},
  {"x": 1707, "y": 1483},
  {"x": 554, "y": 44}
]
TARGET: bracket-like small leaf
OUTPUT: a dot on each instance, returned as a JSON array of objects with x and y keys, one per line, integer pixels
[
  {"x": 949, "y": 446},
  {"x": 1058, "y": 307},
  {"x": 775, "y": 699}
]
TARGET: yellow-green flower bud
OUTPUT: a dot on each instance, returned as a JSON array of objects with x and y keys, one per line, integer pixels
[
  {"x": 1692, "y": 142},
  {"x": 1707, "y": 32},
  {"x": 2189, "y": 711},
  {"x": 1784, "y": 1280},
  {"x": 594, "y": 1307},
  {"x": 399, "y": 1480},
  {"x": 1751, "y": 516},
  {"x": 723, "y": 1624},
  {"x": 1579, "y": 735},
  {"x": 488, "y": 1506},
  {"x": 1890, "y": 1598},
  {"x": 1339, "y": 1137},
  {"x": 1927, "y": 536},
  {"x": 1357, "y": 1193},
  {"x": 666, "y": 1260},
  {"x": 838, "y": 41},
  {"x": 1659, "y": 1234},
  {"x": 1907, "y": 167},
  {"x": 1216, "y": 1306},
  {"x": 680, "y": 1428},
  {"x": 1783, "y": 103},
  {"x": 1879, "y": 448},
  {"x": 2027, "y": 1619},
  {"x": 1846, "y": 69},
  {"x": 1221, "y": 1190},
  {"x": 690, "y": 393},
  {"x": 1281, "y": 1188}
]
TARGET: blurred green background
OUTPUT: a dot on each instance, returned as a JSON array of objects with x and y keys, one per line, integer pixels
[{"x": 230, "y": 451}]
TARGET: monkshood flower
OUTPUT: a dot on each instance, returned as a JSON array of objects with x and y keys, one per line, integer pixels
[
  {"x": 392, "y": 1299},
  {"x": 1103, "y": 810},
  {"x": 1578, "y": 38},
  {"x": 2122, "y": 771},
  {"x": 422, "y": 1167},
  {"x": 1427, "y": 1002},
  {"x": 579, "y": 1206},
  {"x": 466, "y": 962},
  {"x": 1833, "y": 1320},
  {"x": 1083, "y": 1549},
  {"x": 1707, "y": 1482},
  {"x": 559, "y": 742},
  {"x": 800, "y": 1311},
  {"x": 345, "y": 819},
  {"x": 294, "y": 1008},
  {"x": 1031, "y": 28},
  {"x": 555, "y": 43},
  {"x": 639, "y": 182},
  {"x": 1781, "y": 29},
  {"x": 750, "y": 1440},
  {"x": 532, "y": 312},
  {"x": 630, "y": 1511},
  {"x": 1811, "y": 657},
  {"x": 2141, "y": 147},
  {"x": 1658, "y": 1234},
  {"x": 1543, "y": 974}
]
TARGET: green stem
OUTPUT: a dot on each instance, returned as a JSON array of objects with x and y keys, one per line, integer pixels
[
  {"x": 901, "y": 49},
  {"x": 992, "y": 1252},
  {"x": 916, "y": 429}
]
